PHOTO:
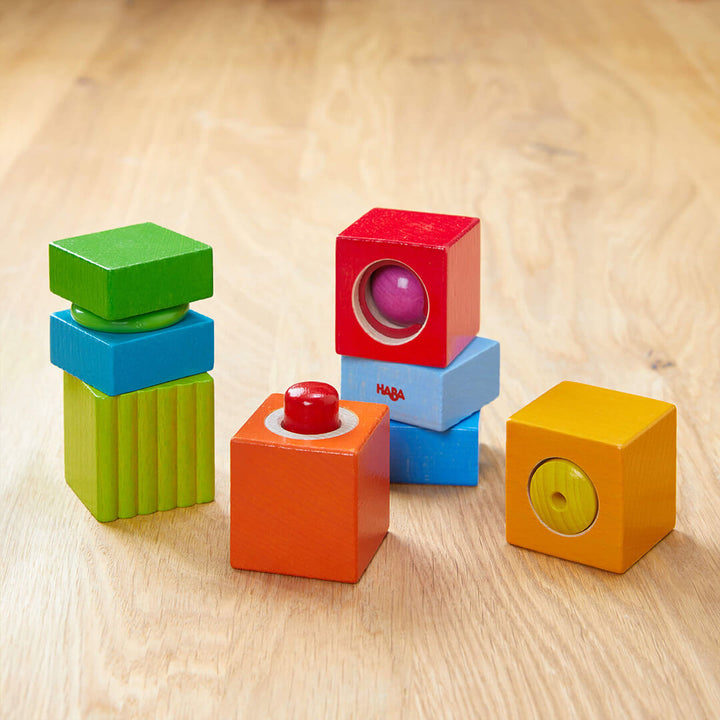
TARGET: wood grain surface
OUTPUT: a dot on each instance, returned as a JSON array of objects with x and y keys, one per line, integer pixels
[{"x": 584, "y": 133}]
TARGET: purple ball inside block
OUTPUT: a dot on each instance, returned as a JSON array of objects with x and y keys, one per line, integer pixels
[{"x": 398, "y": 295}]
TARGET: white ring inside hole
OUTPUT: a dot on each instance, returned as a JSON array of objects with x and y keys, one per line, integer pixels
[
  {"x": 373, "y": 332},
  {"x": 348, "y": 421}
]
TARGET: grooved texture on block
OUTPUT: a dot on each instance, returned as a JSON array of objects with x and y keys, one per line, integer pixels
[
  {"x": 130, "y": 270},
  {"x": 140, "y": 452}
]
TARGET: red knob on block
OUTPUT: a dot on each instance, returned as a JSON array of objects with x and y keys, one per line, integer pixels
[{"x": 311, "y": 408}]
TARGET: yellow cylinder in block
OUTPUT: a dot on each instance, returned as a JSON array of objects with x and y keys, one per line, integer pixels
[{"x": 563, "y": 496}]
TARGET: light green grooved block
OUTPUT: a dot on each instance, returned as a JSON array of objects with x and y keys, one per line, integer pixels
[
  {"x": 131, "y": 270},
  {"x": 143, "y": 451}
]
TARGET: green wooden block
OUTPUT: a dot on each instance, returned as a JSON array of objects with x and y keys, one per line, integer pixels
[
  {"x": 131, "y": 270},
  {"x": 134, "y": 454}
]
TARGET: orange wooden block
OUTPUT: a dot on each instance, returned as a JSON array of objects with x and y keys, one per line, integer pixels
[
  {"x": 310, "y": 505},
  {"x": 614, "y": 499}
]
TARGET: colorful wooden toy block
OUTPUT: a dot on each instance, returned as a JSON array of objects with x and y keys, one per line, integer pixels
[
  {"x": 139, "y": 424},
  {"x": 426, "y": 457},
  {"x": 117, "y": 363},
  {"x": 140, "y": 452},
  {"x": 312, "y": 503},
  {"x": 407, "y": 287},
  {"x": 590, "y": 475},
  {"x": 429, "y": 397},
  {"x": 131, "y": 270}
]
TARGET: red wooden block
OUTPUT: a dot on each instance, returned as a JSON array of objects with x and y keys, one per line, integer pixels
[
  {"x": 310, "y": 505},
  {"x": 443, "y": 254}
]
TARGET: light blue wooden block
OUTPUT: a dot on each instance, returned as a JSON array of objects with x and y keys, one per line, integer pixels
[
  {"x": 432, "y": 398},
  {"x": 117, "y": 363},
  {"x": 426, "y": 457}
]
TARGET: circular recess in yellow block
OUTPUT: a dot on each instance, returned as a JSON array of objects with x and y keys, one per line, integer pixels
[{"x": 563, "y": 496}]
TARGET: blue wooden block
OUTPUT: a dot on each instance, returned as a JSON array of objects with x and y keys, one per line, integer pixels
[
  {"x": 117, "y": 363},
  {"x": 429, "y": 397},
  {"x": 426, "y": 457}
]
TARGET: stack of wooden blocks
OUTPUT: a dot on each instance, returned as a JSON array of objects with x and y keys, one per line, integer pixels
[
  {"x": 407, "y": 316},
  {"x": 138, "y": 402}
]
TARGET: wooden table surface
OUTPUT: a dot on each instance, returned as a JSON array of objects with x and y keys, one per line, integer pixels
[{"x": 584, "y": 133}]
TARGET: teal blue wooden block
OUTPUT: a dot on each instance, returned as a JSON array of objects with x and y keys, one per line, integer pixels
[
  {"x": 426, "y": 457},
  {"x": 118, "y": 363},
  {"x": 131, "y": 270}
]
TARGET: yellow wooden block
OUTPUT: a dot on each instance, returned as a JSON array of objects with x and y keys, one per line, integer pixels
[{"x": 590, "y": 475}]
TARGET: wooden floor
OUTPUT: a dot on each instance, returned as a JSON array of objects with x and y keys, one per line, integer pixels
[{"x": 584, "y": 133}]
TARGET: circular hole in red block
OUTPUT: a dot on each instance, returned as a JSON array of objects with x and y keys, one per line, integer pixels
[{"x": 390, "y": 302}]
